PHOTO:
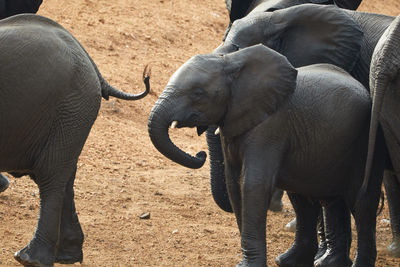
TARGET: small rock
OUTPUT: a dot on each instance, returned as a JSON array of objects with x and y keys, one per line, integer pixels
[{"x": 145, "y": 216}]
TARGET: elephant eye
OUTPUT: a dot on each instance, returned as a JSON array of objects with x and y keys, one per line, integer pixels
[{"x": 198, "y": 93}]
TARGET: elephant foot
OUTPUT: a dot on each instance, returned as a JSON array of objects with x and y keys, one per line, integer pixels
[
  {"x": 321, "y": 250},
  {"x": 31, "y": 257},
  {"x": 394, "y": 249},
  {"x": 333, "y": 260},
  {"x": 366, "y": 261},
  {"x": 246, "y": 263},
  {"x": 69, "y": 256},
  {"x": 4, "y": 183},
  {"x": 296, "y": 256},
  {"x": 291, "y": 226}
]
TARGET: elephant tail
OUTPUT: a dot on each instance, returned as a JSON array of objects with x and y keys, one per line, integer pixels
[
  {"x": 384, "y": 78},
  {"x": 107, "y": 90}
]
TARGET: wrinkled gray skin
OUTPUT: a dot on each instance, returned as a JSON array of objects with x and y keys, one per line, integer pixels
[
  {"x": 9, "y": 8},
  {"x": 50, "y": 96},
  {"x": 385, "y": 88},
  {"x": 252, "y": 96},
  {"x": 309, "y": 34}
]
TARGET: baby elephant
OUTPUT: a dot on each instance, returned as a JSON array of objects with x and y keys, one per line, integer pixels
[
  {"x": 304, "y": 130},
  {"x": 50, "y": 95}
]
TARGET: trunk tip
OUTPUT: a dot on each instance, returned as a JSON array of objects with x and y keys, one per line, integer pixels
[{"x": 201, "y": 156}]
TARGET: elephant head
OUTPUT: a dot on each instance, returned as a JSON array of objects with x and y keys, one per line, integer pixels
[{"x": 234, "y": 91}]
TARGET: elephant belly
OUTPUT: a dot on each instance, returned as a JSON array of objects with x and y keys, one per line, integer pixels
[{"x": 327, "y": 174}]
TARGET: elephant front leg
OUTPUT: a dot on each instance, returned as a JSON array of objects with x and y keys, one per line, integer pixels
[
  {"x": 41, "y": 249},
  {"x": 305, "y": 245},
  {"x": 257, "y": 184},
  {"x": 71, "y": 238},
  {"x": 255, "y": 202}
]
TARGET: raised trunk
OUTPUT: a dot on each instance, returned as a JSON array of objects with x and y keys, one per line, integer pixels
[
  {"x": 217, "y": 171},
  {"x": 158, "y": 125}
]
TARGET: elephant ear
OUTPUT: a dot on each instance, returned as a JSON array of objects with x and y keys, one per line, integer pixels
[
  {"x": 309, "y": 34},
  {"x": 260, "y": 81}
]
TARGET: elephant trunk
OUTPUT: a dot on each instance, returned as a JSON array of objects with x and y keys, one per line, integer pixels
[
  {"x": 385, "y": 67},
  {"x": 217, "y": 171},
  {"x": 158, "y": 125}
]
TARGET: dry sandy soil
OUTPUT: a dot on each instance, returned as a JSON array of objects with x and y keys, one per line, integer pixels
[{"x": 121, "y": 175}]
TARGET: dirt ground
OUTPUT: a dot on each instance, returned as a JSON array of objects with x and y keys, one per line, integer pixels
[{"x": 120, "y": 174}]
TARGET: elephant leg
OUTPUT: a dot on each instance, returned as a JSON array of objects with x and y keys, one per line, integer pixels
[
  {"x": 392, "y": 188},
  {"x": 257, "y": 182},
  {"x": 71, "y": 238},
  {"x": 305, "y": 244},
  {"x": 337, "y": 228},
  {"x": 4, "y": 183},
  {"x": 42, "y": 248},
  {"x": 233, "y": 187},
  {"x": 366, "y": 206},
  {"x": 276, "y": 200},
  {"x": 322, "y": 246}
]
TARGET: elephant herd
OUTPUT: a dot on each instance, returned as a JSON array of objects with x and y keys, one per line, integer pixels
[{"x": 302, "y": 96}]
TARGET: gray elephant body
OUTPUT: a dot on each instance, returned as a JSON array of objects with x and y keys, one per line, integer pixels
[
  {"x": 50, "y": 97},
  {"x": 272, "y": 134},
  {"x": 308, "y": 129}
]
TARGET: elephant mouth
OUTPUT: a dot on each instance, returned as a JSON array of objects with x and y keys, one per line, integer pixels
[{"x": 200, "y": 129}]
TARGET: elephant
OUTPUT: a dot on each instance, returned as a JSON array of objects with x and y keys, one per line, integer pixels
[
  {"x": 238, "y": 9},
  {"x": 274, "y": 122},
  {"x": 385, "y": 86},
  {"x": 308, "y": 34},
  {"x": 7, "y": 9},
  {"x": 51, "y": 94}
]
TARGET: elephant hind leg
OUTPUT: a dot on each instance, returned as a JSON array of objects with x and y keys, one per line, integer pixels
[
  {"x": 305, "y": 245},
  {"x": 366, "y": 207},
  {"x": 71, "y": 238},
  {"x": 337, "y": 230},
  {"x": 42, "y": 248}
]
